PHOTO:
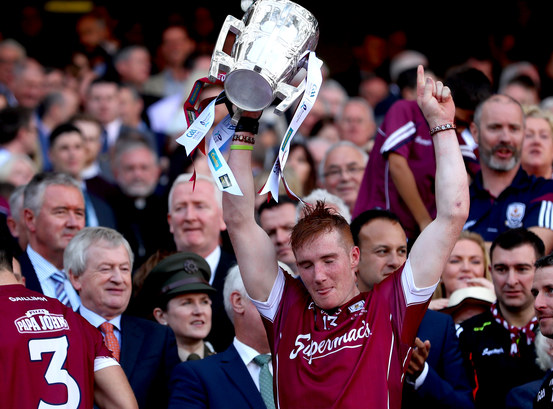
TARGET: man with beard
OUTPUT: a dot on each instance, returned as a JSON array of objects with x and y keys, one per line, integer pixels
[
  {"x": 139, "y": 207},
  {"x": 503, "y": 196}
]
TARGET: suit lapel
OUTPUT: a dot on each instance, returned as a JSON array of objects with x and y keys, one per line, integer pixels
[
  {"x": 28, "y": 271},
  {"x": 131, "y": 343},
  {"x": 239, "y": 376},
  {"x": 225, "y": 262}
]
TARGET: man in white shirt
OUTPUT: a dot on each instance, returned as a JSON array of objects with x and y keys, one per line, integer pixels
[
  {"x": 196, "y": 221},
  {"x": 53, "y": 212}
]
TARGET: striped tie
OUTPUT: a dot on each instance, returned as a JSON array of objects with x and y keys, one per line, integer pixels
[
  {"x": 265, "y": 380},
  {"x": 61, "y": 294},
  {"x": 110, "y": 339}
]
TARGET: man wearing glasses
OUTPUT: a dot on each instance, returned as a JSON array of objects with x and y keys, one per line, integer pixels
[{"x": 341, "y": 171}]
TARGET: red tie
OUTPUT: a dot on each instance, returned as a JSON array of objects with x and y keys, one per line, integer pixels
[{"x": 110, "y": 339}]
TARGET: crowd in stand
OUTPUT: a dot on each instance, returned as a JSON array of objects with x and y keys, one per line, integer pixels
[{"x": 102, "y": 209}]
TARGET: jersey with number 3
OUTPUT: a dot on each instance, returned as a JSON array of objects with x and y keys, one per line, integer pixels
[{"x": 47, "y": 352}]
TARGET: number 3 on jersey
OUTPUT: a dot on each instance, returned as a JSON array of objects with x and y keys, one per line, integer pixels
[{"x": 55, "y": 373}]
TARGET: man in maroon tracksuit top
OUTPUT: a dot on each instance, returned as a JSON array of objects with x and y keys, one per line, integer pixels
[{"x": 333, "y": 346}]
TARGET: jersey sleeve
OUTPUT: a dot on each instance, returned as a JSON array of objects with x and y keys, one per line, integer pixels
[
  {"x": 540, "y": 211},
  {"x": 269, "y": 308},
  {"x": 400, "y": 127}
]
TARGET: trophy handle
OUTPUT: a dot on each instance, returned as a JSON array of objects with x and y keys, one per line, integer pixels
[
  {"x": 220, "y": 60},
  {"x": 288, "y": 94}
]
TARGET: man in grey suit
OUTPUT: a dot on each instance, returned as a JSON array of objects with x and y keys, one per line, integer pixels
[
  {"x": 230, "y": 379},
  {"x": 99, "y": 263}
]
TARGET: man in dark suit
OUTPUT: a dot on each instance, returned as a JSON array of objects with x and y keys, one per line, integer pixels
[
  {"x": 140, "y": 202},
  {"x": 437, "y": 375},
  {"x": 230, "y": 379},
  {"x": 196, "y": 221},
  {"x": 53, "y": 212},
  {"x": 99, "y": 263}
]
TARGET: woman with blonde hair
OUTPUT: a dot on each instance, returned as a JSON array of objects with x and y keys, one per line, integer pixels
[
  {"x": 467, "y": 266},
  {"x": 537, "y": 146}
]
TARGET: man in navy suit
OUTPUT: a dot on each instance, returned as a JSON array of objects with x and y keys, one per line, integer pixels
[
  {"x": 53, "y": 212},
  {"x": 436, "y": 376},
  {"x": 196, "y": 221},
  {"x": 99, "y": 263},
  {"x": 229, "y": 379}
]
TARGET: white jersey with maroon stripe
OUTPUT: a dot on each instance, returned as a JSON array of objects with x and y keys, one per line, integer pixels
[{"x": 340, "y": 359}]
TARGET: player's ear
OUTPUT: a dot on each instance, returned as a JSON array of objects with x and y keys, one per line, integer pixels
[{"x": 355, "y": 255}]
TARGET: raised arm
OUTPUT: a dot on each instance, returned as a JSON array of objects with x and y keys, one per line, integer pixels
[
  {"x": 433, "y": 246},
  {"x": 254, "y": 250}
]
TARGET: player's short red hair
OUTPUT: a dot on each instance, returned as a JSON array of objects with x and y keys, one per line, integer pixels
[{"x": 319, "y": 219}]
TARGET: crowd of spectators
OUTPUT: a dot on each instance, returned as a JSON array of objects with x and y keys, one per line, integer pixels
[{"x": 90, "y": 166}]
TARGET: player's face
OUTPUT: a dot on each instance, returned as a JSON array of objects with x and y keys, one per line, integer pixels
[
  {"x": 383, "y": 247},
  {"x": 189, "y": 316},
  {"x": 500, "y": 135},
  {"x": 466, "y": 261},
  {"x": 105, "y": 285},
  {"x": 195, "y": 218},
  {"x": 542, "y": 289},
  {"x": 61, "y": 216},
  {"x": 278, "y": 223},
  {"x": 327, "y": 269},
  {"x": 512, "y": 275}
]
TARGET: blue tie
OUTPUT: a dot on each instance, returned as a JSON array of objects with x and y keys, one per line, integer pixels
[
  {"x": 61, "y": 294},
  {"x": 265, "y": 380}
]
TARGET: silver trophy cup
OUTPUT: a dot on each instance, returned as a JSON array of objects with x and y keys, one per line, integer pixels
[{"x": 272, "y": 44}]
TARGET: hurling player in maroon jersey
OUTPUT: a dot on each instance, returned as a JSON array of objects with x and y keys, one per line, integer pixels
[
  {"x": 51, "y": 356},
  {"x": 333, "y": 346}
]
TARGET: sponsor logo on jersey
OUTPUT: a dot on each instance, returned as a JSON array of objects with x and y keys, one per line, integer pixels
[
  {"x": 309, "y": 349},
  {"x": 40, "y": 320},
  {"x": 515, "y": 213},
  {"x": 495, "y": 351},
  {"x": 33, "y": 298}
]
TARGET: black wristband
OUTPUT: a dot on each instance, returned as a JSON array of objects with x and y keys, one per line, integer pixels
[{"x": 247, "y": 124}]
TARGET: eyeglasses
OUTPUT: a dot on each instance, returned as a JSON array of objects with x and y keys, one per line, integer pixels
[{"x": 338, "y": 173}]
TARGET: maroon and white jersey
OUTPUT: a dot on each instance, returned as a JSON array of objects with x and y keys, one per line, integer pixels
[
  {"x": 405, "y": 132},
  {"x": 47, "y": 352},
  {"x": 353, "y": 357}
]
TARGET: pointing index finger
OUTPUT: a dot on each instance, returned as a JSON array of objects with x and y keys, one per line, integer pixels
[{"x": 420, "y": 81}]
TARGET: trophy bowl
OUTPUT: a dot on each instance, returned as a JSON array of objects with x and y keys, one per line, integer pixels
[{"x": 272, "y": 42}]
